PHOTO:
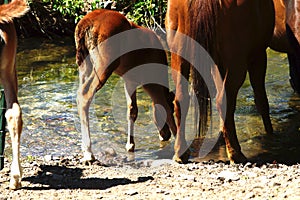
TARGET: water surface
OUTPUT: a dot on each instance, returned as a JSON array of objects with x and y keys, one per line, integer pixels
[{"x": 48, "y": 80}]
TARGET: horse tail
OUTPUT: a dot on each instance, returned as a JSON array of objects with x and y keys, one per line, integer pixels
[
  {"x": 14, "y": 9},
  {"x": 81, "y": 49},
  {"x": 204, "y": 19}
]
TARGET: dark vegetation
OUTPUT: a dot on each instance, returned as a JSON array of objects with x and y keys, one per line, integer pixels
[{"x": 58, "y": 18}]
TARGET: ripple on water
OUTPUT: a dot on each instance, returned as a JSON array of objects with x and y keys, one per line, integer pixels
[{"x": 48, "y": 82}]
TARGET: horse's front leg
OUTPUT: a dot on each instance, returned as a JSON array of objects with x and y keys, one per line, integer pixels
[
  {"x": 132, "y": 112},
  {"x": 180, "y": 73},
  {"x": 162, "y": 111},
  {"x": 257, "y": 73}
]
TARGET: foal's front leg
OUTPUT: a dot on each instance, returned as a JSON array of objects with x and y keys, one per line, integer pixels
[{"x": 132, "y": 112}]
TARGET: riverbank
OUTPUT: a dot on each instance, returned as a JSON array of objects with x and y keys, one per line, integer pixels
[{"x": 67, "y": 178}]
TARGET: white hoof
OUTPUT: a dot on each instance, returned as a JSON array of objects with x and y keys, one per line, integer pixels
[
  {"x": 15, "y": 182},
  {"x": 87, "y": 157},
  {"x": 130, "y": 147}
]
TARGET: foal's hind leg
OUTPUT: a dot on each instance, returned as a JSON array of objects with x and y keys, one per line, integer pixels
[
  {"x": 85, "y": 96},
  {"x": 14, "y": 124},
  {"x": 13, "y": 116},
  {"x": 92, "y": 76},
  {"x": 257, "y": 73},
  {"x": 132, "y": 112}
]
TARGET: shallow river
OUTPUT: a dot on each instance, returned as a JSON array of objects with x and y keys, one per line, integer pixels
[{"x": 48, "y": 81}]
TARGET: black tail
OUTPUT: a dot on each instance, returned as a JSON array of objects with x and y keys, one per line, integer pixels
[{"x": 204, "y": 20}]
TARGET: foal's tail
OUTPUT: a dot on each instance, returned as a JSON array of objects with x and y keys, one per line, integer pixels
[
  {"x": 14, "y": 9},
  {"x": 81, "y": 49}
]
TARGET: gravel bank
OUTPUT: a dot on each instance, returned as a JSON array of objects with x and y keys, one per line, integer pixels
[{"x": 67, "y": 178}]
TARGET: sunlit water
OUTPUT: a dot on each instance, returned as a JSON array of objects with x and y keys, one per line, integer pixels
[{"x": 48, "y": 80}]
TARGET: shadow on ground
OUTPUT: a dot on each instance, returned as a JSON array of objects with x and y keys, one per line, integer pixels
[{"x": 62, "y": 177}]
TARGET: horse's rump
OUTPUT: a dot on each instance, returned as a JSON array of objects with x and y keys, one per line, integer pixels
[
  {"x": 95, "y": 28},
  {"x": 16, "y": 8}
]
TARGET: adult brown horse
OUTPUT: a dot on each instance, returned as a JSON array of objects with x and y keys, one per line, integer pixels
[
  {"x": 107, "y": 42},
  {"x": 286, "y": 36},
  {"x": 236, "y": 34},
  {"x": 8, "y": 78}
]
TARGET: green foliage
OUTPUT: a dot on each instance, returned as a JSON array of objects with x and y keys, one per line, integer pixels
[
  {"x": 72, "y": 8},
  {"x": 148, "y": 13}
]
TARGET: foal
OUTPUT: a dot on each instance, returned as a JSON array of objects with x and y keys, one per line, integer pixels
[
  {"x": 286, "y": 37},
  {"x": 107, "y": 42},
  {"x": 8, "y": 78}
]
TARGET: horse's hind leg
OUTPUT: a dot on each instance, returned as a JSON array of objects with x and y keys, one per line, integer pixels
[
  {"x": 13, "y": 114},
  {"x": 132, "y": 112},
  {"x": 14, "y": 124},
  {"x": 85, "y": 96},
  {"x": 89, "y": 83},
  {"x": 93, "y": 74},
  {"x": 232, "y": 82},
  {"x": 257, "y": 73}
]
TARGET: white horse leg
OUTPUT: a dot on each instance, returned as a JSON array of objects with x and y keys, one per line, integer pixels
[
  {"x": 14, "y": 124},
  {"x": 132, "y": 112}
]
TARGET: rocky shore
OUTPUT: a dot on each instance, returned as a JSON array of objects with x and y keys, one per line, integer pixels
[{"x": 67, "y": 178}]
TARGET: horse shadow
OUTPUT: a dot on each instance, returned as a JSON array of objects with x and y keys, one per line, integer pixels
[{"x": 62, "y": 177}]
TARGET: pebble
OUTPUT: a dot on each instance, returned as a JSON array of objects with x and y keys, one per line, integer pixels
[
  {"x": 187, "y": 177},
  {"x": 110, "y": 152},
  {"x": 228, "y": 176},
  {"x": 160, "y": 162},
  {"x": 48, "y": 158},
  {"x": 131, "y": 192},
  {"x": 209, "y": 181}
]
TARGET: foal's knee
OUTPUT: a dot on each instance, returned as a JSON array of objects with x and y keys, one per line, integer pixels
[{"x": 14, "y": 119}]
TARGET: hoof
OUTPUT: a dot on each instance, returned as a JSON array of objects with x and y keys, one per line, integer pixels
[
  {"x": 183, "y": 159},
  {"x": 165, "y": 137},
  {"x": 163, "y": 144},
  {"x": 237, "y": 157},
  {"x": 165, "y": 133},
  {"x": 15, "y": 183},
  {"x": 130, "y": 147},
  {"x": 87, "y": 158}
]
